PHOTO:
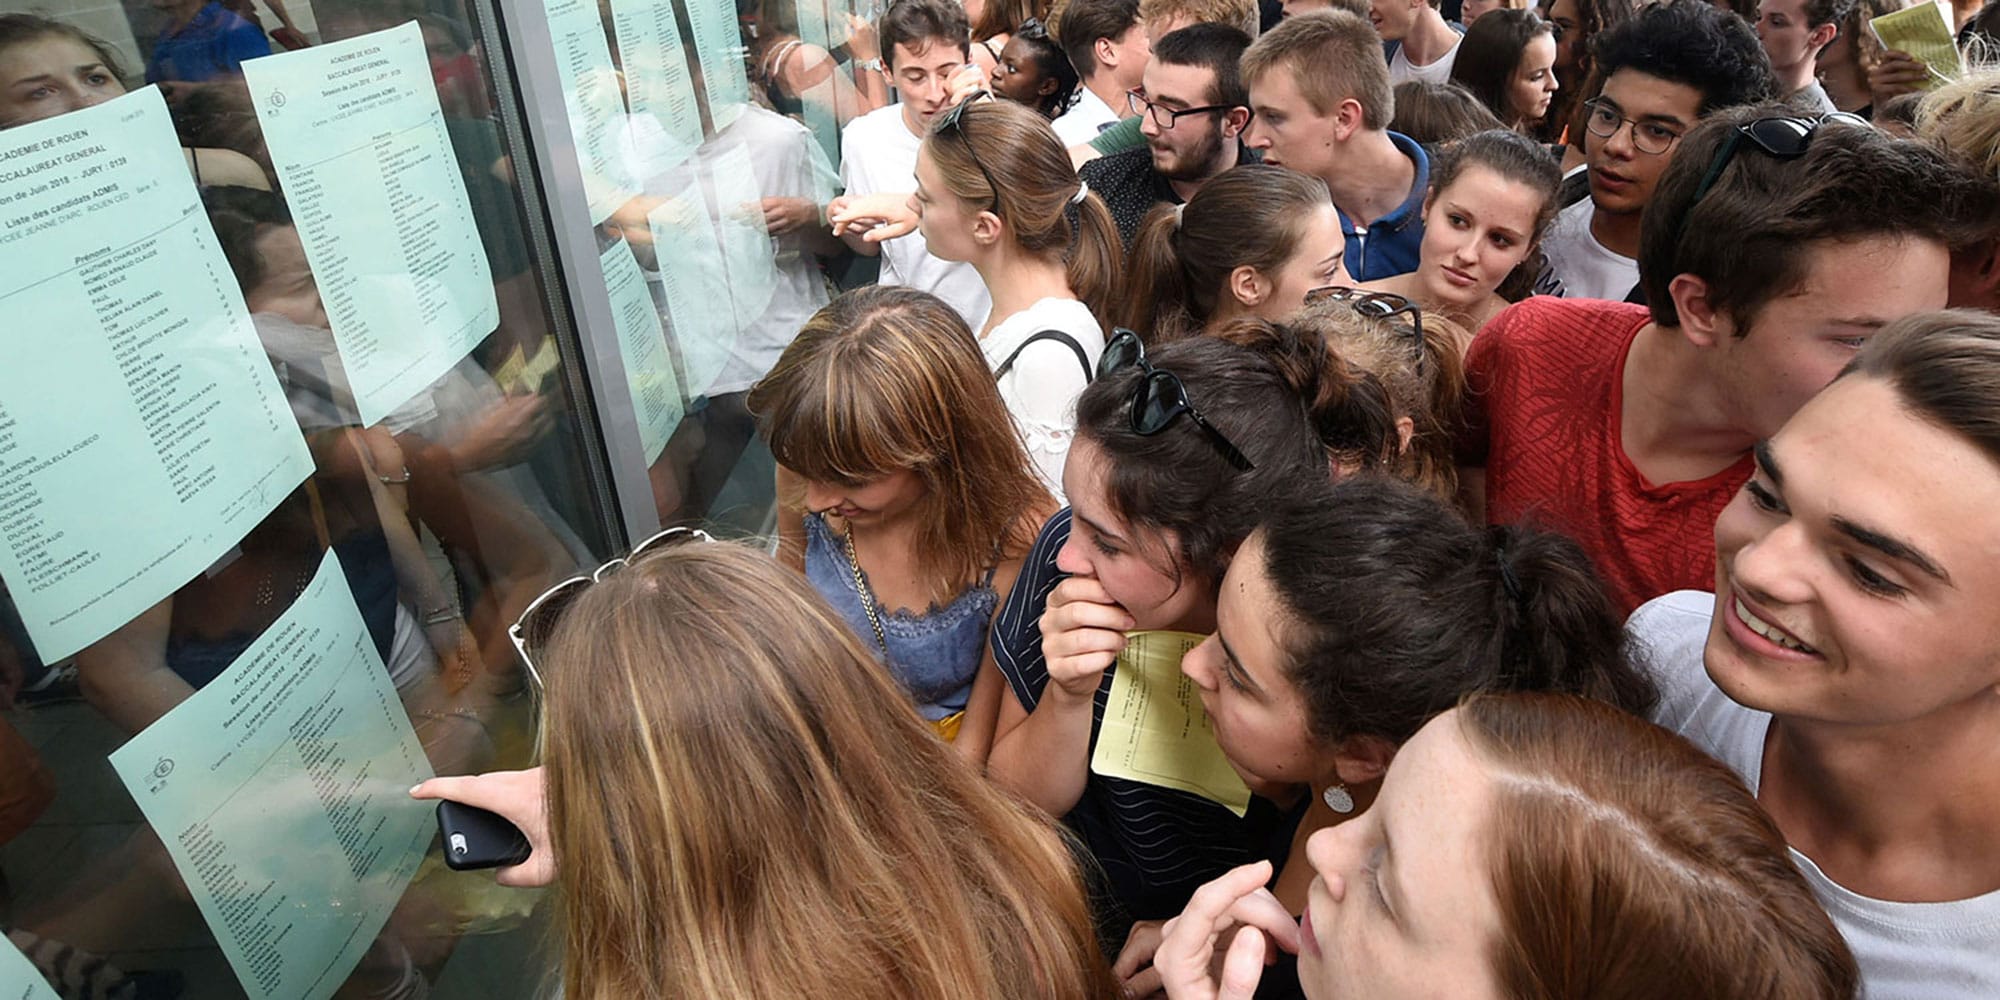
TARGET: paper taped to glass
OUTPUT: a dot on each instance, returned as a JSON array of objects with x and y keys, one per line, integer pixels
[
  {"x": 1923, "y": 31},
  {"x": 1155, "y": 730}
]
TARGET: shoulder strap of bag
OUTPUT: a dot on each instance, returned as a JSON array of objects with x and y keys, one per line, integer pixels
[{"x": 1075, "y": 348}]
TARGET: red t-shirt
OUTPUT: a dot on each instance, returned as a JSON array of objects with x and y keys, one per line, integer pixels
[{"x": 1546, "y": 389}]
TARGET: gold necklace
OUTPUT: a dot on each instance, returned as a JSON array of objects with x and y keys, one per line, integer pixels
[{"x": 861, "y": 586}]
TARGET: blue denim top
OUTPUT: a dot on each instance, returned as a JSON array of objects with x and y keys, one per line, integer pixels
[{"x": 934, "y": 655}]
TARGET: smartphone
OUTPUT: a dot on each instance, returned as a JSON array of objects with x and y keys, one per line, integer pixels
[{"x": 479, "y": 838}]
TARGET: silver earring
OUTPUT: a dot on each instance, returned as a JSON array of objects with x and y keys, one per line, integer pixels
[{"x": 1337, "y": 799}]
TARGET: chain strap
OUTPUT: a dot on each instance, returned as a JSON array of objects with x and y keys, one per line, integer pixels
[{"x": 861, "y": 585}]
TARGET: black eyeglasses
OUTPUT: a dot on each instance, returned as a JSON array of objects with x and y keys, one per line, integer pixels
[
  {"x": 538, "y": 620},
  {"x": 1778, "y": 138},
  {"x": 1385, "y": 306},
  {"x": 1165, "y": 117},
  {"x": 1160, "y": 397},
  {"x": 1605, "y": 119},
  {"x": 950, "y": 119}
]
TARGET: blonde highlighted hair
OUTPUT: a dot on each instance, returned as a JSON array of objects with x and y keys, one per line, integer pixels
[
  {"x": 745, "y": 807},
  {"x": 1963, "y": 119},
  {"x": 885, "y": 379},
  {"x": 1423, "y": 377}
]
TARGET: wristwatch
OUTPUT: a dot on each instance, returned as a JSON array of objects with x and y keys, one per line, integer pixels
[{"x": 871, "y": 64}]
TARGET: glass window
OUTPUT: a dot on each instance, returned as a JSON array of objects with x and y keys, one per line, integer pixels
[
  {"x": 289, "y": 435},
  {"x": 706, "y": 134}
]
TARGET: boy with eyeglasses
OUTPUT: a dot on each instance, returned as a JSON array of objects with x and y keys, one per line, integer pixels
[
  {"x": 1775, "y": 247},
  {"x": 1664, "y": 70},
  {"x": 1192, "y": 111}
]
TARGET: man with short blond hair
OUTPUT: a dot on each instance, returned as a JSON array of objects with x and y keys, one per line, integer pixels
[{"x": 1321, "y": 103}]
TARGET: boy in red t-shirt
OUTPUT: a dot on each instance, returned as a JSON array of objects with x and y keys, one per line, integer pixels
[{"x": 1773, "y": 248}]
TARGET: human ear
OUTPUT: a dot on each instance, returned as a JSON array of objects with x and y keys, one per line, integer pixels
[
  {"x": 1358, "y": 760},
  {"x": 1406, "y": 429},
  {"x": 1701, "y": 323},
  {"x": 1047, "y": 87},
  {"x": 988, "y": 228},
  {"x": 1106, "y": 50},
  {"x": 1348, "y": 118},
  {"x": 1248, "y": 286},
  {"x": 1234, "y": 121}
]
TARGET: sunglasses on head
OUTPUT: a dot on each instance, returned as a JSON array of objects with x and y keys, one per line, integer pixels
[
  {"x": 1778, "y": 138},
  {"x": 951, "y": 119},
  {"x": 1385, "y": 306},
  {"x": 1032, "y": 28},
  {"x": 531, "y": 632},
  {"x": 1160, "y": 398}
]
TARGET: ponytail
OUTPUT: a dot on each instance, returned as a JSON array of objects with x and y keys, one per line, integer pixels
[
  {"x": 1091, "y": 262},
  {"x": 1159, "y": 302},
  {"x": 1291, "y": 409},
  {"x": 1047, "y": 210},
  {"x": 1424, "y": 383},
  {"x": 1558, "y": 629},
  {"x": 1398, "y": 609},
  {"x": 1347, "y": 408}
]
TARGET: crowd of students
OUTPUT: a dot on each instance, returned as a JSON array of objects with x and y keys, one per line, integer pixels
[{"x": 1583, "y": 514}]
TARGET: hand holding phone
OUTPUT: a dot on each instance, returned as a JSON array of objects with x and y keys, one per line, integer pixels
[
  {"x": 479, "y": 838},
  {"x": 516, "y": 799}
]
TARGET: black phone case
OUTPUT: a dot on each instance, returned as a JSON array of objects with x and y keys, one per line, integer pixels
[{"x": 478, "y": 838}]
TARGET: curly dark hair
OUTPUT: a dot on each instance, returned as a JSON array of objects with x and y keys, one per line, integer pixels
[{"x": 1692, "y": 43}]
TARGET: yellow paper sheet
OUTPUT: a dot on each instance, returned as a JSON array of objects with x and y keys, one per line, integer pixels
[
  {"x": 518, "y": 374},
  {"x": 1155, "y": 730},
  {"x": 1923, "y": 31}
]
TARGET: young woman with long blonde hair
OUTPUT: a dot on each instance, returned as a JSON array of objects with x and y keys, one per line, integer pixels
[
  {"x": 738, "y": 808},
  {"x": 907, "y": 497}
]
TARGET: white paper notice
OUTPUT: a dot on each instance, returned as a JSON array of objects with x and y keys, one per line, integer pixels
[
  {"x": 359, "y": 141},
  {"x": 657, "y": 81},
  {"x": 649, "y": 371},
  {"x": 692, "y": 276},
  {"x": 591, "y": 101},
  {"x": 18, "y": 978},
  {"x": 281, "y": 792},
  {"x": 142, "y": 431},
  {"x": 719, "y": 47}
]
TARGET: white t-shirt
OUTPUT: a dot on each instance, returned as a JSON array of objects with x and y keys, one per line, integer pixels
[
  {"x": 1081, "y": 123},
  {"x": 1041, "y": 389},
  {"x": 1907, "y": 951},
  {"x": 1586, "y": 268},
  {"x": 1401, "y": 70},
  {"x": 788, "y": 163},
  {"x": 878, "y": 153}
]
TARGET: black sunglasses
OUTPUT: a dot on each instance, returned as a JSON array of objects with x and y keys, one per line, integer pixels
[
  {"x": 1032, "y": 28},
  {"x": 1779, "y": 138},
  {"x": 1385, "y": 306},
  {"x": 1160, "y": 397},
  {"x": 538, "y": 620},
  {"x": 950, "y": 119}
]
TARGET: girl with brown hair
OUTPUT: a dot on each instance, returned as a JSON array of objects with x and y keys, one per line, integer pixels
[
  {"x": 1532, "y": 847},
  {"x": 1352, "y": 615},
  {"x": 736, "y": 807},
  {"x": 1156, "y": 508},
  {"x": 905, "y": 494},
  {"x": 1492, "y": 199},
  {"x": 995, "y": 188},
  {"x": 1251, "y": 242},
  {"x": 1414, "y": 354}
]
